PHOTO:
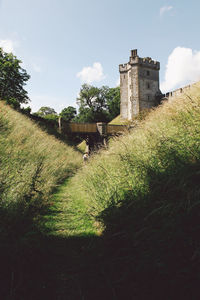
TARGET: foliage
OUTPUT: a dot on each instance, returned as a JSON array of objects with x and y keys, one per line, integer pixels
[
  {"x": 68, "y": 113},
  {"x": 45, "y": 111},
  {"x": 97, "y": 104},
  {"x": 113, "y": 102},
  {"x": 12, "y": 80},
  {"x": 52, "y": 117},
  {"x": 26, "y": 110}
]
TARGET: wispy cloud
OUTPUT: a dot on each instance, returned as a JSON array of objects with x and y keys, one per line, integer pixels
[
  {"x": 165, "y": 9},
  {"x": 7, "y": 45},
  {"x": 91, "y": 74},
  {"x": 183, "y": 67}
]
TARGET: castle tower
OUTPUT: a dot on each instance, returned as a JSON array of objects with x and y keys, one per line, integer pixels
[{"x": 139, "y": 85}]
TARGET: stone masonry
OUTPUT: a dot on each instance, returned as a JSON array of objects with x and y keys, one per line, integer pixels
[{"x": 139, "y": 85}]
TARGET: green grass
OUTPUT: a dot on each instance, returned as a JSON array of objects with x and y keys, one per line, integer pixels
[
  {"x": 82, "y": 146},
  {"x": 68, "y": 217},
  {"x": 126, "y": 225},
  {"x": 144, "y": 194},
  {"x": 119, "y": 121},
  {"x": 32, "y": 165},
  {"x": 167, "y": 140}
]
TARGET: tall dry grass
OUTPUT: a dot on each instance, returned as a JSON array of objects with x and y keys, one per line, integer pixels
[
  {"x": 168, "y": 138},
  {"x": 32, "y": 164},
  {"x": 145, "y": 193}
]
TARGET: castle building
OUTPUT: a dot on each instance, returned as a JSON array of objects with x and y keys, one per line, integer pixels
[{"x": 139, "y": 85}]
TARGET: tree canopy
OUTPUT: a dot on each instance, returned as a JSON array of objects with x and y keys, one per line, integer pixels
[
  {"x": 68, "y": 113},
  {"x": 95, "y": 105},
  {"x": 98, "y": 104},
  {"x": 12, "y": 80},
  {"x": 45, "y": 111}
]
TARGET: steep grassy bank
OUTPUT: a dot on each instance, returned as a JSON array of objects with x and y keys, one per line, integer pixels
[
  {"x": 32, "y": 164},
  {"x": 145, "y": 192}
]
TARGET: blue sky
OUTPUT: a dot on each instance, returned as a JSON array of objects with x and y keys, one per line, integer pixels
[{"x": 65, "y": 43}]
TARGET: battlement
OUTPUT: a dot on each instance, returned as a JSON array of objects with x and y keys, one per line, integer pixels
[
  {"x": 124, "y": 67},
  {"x": 150, "y": 63},
  {"x": 178, "y": 92},
  {"x": 134, "y": 59}
]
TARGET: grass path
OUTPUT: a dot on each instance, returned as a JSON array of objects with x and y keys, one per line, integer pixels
[{"x": 68, "y": 216}]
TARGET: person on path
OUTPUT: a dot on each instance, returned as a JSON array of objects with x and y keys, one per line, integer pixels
[{"x": 85, "y": 156}]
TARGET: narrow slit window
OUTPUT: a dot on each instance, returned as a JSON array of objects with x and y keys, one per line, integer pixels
[
  {"x": 148, "y": 85},
  {"x": 148, "y": 73}
]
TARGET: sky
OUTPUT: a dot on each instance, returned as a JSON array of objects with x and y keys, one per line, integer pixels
[{"x": 65, "y": 43}]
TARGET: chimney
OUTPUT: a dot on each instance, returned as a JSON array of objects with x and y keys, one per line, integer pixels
[{"x": 134, "y": 53}]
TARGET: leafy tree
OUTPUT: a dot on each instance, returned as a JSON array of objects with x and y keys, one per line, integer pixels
[
  {"x": 92, "y": 103},
  {"x": 52, "y": 117},
  {"x": 12, "y": 80},
  {"x": 45, "y": 111},
  {"x": 26, "y": 110},
  {"x": 68, "y": 113},
  {"x": 98, "y": 104},
  {"x": 113, "y": 102},
  {"x": 86, "y": 115}
]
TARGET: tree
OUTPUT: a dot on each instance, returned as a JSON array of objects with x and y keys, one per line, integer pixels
[
  {"x": 45, "y": 111},
  {"x": 98, "y": 104},
  {"x": 12, "y": 80},
  {"x": 68, "y": 113},
  {"x": 113, "y": 102},
  {"x": 92, "y": 104}
]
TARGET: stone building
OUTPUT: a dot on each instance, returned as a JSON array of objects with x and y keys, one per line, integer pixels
[{"x": 139, "y": 85}]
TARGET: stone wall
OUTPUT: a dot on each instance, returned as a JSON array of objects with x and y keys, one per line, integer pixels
[{"x": 178, "y": 92}]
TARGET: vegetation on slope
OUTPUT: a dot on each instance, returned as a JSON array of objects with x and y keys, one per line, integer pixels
[
  {"x": 32, "y": 164},
  {"x": 145, "y": 192},
  {"x": 140, "y": 197}
]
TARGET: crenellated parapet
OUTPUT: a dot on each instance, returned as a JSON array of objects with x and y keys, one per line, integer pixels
[
  {"x": 178, "y": 92},
  {"x": 135, "y": 60},
  {"x": 124, "y": 67},
  {"x": 149, "y": 63}
]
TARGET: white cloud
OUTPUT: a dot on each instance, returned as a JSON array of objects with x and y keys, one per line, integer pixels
[
  {"x": 91, "y": 74},
  {"x": 165, "y": 9},
  {"x": 7, "y": 45},
  {"x": 183, "y": 67}
]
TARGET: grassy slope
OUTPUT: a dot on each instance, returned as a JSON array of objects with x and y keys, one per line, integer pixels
[
  {"x": 145, "y": 192},
  {"x": 119, "y": 121},
  {"x": 32, "y": 164},
  {"x": 167, "y": 140}
]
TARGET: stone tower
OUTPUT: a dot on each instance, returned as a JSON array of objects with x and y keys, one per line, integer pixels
[{"x": 139, "y": 85}]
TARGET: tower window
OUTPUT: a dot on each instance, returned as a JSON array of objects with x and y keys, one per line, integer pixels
[
  {"x": 148, "y": 73},
  {"x": 124, "y": 76},
  {"x": 148, "y": 97},
  {"x": 148, "y": 85}
]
